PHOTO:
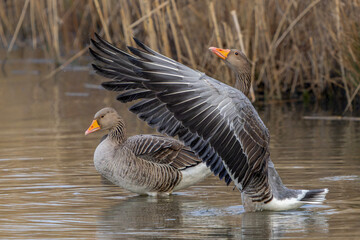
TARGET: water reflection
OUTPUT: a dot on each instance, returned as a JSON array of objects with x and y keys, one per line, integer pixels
[
  {"x": 50, "y": 189},
  {"x": 170, "y": 216},
  {"x": 142, "y": 214},
  {"x": 270, "y": 225},
  {"x": 184, "y": 217}
]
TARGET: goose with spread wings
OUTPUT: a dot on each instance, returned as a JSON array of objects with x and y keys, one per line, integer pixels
[{"x": 216, "y": 121}]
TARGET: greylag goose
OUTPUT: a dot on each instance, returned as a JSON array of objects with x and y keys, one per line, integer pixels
[
  {"x": 216, "y": 121},
  {"x": 144, "y": 164}
]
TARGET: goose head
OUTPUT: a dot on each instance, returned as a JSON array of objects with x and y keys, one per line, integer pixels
[
  {"x": 105, "y": 119},
  {"x": 237, "y": 61}
]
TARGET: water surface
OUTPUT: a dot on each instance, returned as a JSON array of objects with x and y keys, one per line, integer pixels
[{"x": 49, "y": 188}]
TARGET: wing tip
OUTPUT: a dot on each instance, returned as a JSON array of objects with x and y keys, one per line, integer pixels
[
  {"x": 140, "y": 44},
  {"x": 109, "y": 85},
  {"x": 97, "y": 36}
]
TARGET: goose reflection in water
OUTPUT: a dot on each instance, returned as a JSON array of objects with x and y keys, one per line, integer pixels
[{"x": 181, "y": 216}]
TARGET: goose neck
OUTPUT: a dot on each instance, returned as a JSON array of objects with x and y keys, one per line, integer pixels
[
  {"x": 118, "y": 132},
  {"x": 243, "y": 82}
]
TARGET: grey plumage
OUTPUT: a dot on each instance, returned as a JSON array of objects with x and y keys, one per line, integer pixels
[
  {"x": 222, "y": 131},
  {"x": 145, "y": 164},
  {"x": 215, "y": 120}
]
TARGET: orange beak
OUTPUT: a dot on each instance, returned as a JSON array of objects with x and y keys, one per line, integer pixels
[
  {"x": 93, "y": 127},
  {"x": 222, "y": 53}
]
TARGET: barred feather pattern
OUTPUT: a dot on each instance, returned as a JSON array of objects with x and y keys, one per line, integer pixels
[
  {"x": 163, "y": 150},
  {"x": 135, "y": 171},
  {"x": 232, "y": 143},
  {"x": 215, "y": 121},
  {"x": 145, "y": 164},
  {"x": 118, "y": 133},
  {"x": 159, "y": 117}
]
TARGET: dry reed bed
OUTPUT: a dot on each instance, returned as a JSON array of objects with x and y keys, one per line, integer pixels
[{"x": 296, "y": 47}]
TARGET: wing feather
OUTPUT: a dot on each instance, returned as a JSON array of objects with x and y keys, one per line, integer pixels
[
  {"x": 218, "y": 122},
  {"x": 163, "y": 150}
]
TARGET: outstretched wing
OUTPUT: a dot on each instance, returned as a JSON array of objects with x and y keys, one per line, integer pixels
[
  {"x": 163, "y": 150},
  {"x": 217, "y": 121}
]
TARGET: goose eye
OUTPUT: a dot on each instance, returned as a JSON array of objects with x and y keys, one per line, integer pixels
[
  {"x": 236, "y": 53},
  {"x": 102, "y": 116}
]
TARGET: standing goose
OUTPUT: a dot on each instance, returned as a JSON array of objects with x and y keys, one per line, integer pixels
[
  {"x": 144, "y": 164},
  {"x": 216, "y": 121}
]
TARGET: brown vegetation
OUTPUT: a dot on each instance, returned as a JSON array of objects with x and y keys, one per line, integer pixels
[{"x": 297, "y": 47}]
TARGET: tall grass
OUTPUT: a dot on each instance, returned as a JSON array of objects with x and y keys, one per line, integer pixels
[{"x": 297, "y": 47}]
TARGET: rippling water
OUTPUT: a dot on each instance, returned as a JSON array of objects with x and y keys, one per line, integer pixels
[{"x": 50, "y": 189}]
